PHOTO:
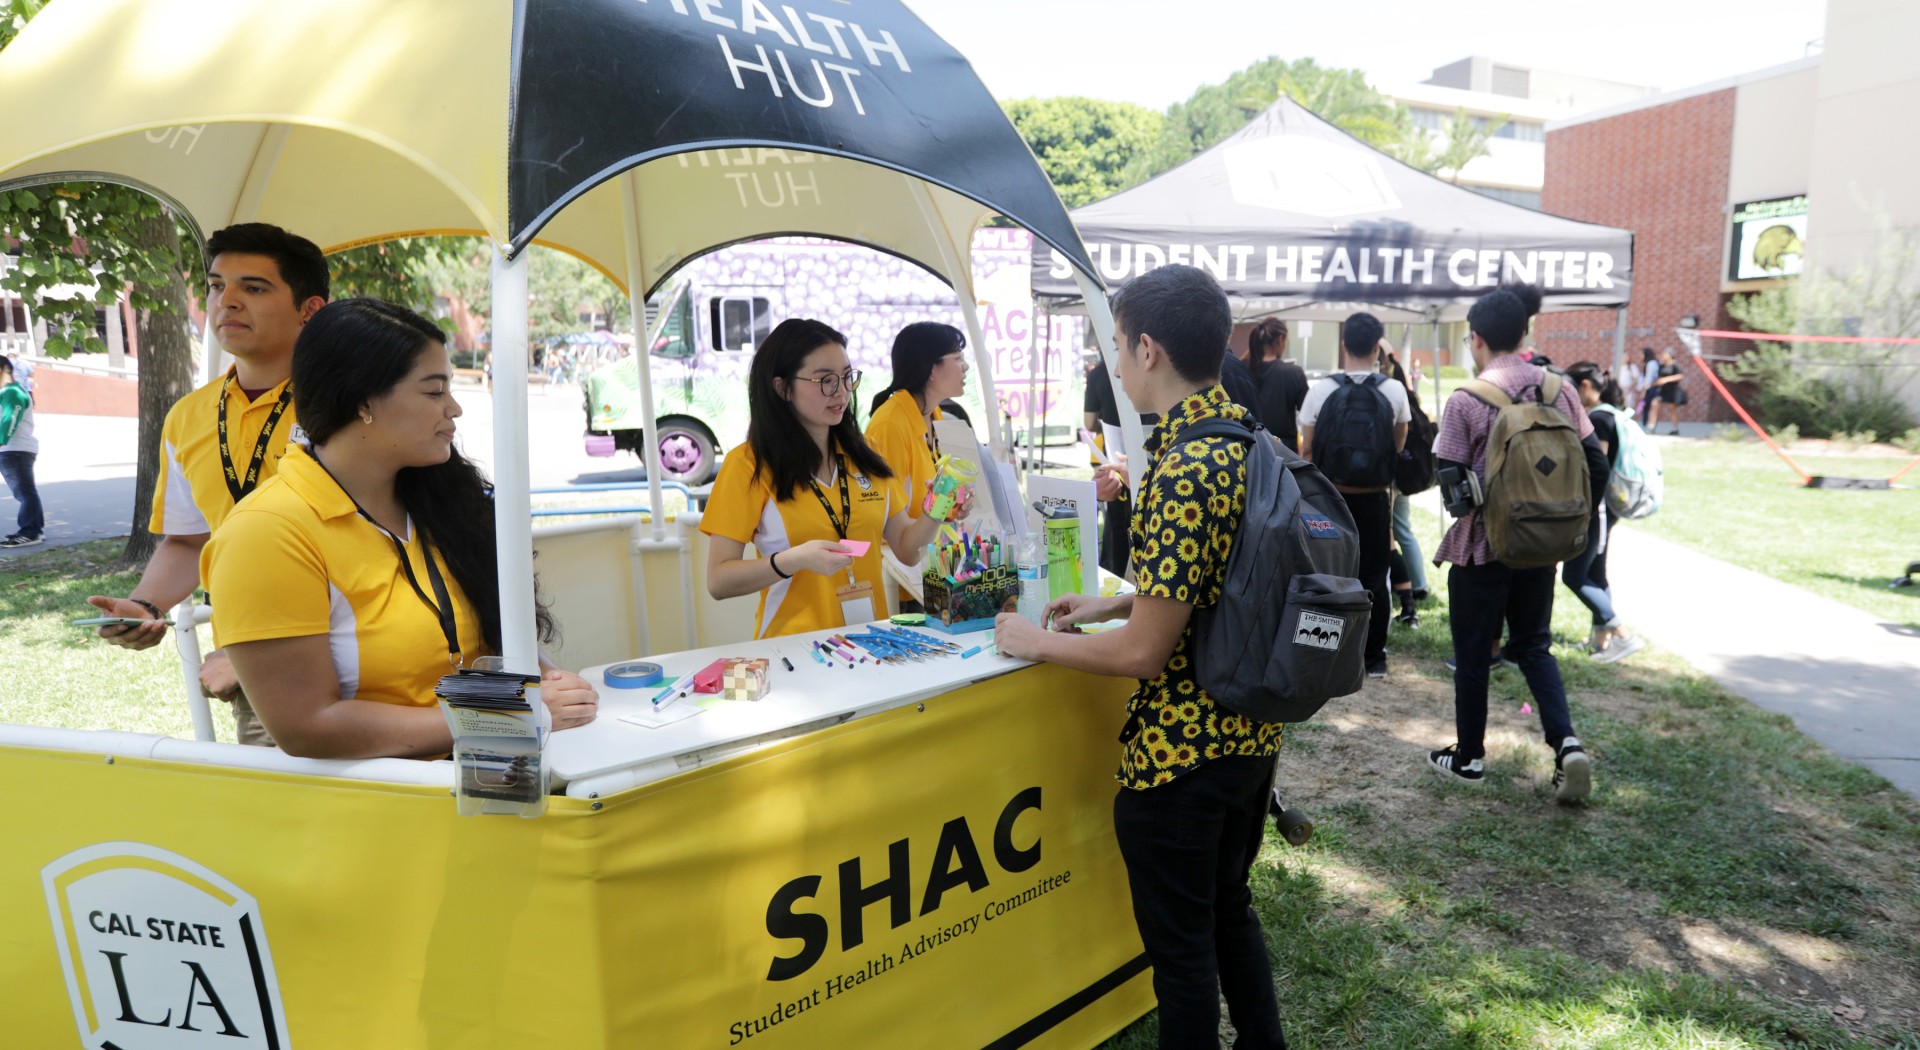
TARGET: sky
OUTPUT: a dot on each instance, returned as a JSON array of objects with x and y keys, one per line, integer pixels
[{"x": 1156, "y": 52}]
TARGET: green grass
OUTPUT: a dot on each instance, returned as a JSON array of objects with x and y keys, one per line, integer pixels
[
  {"x": 1387, "y": 931},
  {"x": 1420, "y": 924},
  {"x": 76, "y": 680},
  {"x": 1738, "y": 502}
]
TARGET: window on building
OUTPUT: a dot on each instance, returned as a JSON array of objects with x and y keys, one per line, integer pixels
[
  {"x": 740, "y": 322},
  {"x": 1508, "y": 80},
  {"x": 1430, "y": 119},
  {"x": 1524, "y": 198}
]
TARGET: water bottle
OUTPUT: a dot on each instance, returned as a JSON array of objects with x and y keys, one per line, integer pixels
[{"x": 1030, "y": 563}]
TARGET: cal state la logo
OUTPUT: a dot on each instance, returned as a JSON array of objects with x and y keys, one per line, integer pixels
[
  {"x": 861, "y": 480},
  {"x": 297, "y": 436},
  {"x": 160, "y": 952}
]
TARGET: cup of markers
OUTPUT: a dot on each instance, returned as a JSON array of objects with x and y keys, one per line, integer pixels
[{"x": 967, "y": 581}]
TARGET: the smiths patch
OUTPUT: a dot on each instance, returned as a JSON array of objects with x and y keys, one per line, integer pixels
[{"x": 1319, "y": 631}]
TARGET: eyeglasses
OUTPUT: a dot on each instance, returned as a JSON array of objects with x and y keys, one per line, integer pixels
[{"x": 830, "y": 384}]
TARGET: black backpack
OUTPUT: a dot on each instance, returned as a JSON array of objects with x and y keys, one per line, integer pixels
[
  {"x": 1290, "y": 629},
  {"x": 1353, "y": 436},
  {"x": 1414, "y": 471}
]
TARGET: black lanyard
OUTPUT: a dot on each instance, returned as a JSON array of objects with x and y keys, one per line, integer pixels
[
  {"x": 237, "y": 485},
  {"x": 443, "y": 611},
  {"x": 845, "y": 520}
]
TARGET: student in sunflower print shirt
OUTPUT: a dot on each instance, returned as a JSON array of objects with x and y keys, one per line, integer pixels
[{"x": 1194, "y": 778}]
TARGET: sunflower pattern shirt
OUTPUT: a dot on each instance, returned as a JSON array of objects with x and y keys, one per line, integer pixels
[{"x": 1182, "y": 532}]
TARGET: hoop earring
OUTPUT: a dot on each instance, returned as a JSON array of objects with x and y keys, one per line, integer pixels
[{"x": 366, "y": 419}]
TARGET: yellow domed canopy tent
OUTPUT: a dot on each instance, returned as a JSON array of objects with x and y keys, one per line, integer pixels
[{"x": 635, "y": 135}]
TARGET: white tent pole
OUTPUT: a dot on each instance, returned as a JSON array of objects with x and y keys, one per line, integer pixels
[
  {"x": 1103, "y": 327},
  {"x": 512, "y": 504},
  {"x": 958, "y": 271},
  {"x": 1619, "y": 342},
  {"x": 642, "y": 353},
  {"x": 1033, "y": 347},
  {"x": 1435, "y": 411}
]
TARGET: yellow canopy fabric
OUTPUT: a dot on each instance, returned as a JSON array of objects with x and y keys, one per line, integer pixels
[{"x": 348, "y": 122}]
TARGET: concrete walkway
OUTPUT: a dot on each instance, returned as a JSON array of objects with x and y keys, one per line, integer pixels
[
  {"x": 84, "y": 472},
  {"x": 1847, "y": 678}
]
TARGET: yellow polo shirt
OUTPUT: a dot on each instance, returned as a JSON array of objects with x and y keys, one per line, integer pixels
[
  {"x": 193, "y": 498},
  {"x": 742, "y": 508},
  {"x": 299, "y": 560},
  {"x": 899, "y": 433}
]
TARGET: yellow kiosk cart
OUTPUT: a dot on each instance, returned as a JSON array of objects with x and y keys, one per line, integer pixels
[{"x": 867, "y": 856}]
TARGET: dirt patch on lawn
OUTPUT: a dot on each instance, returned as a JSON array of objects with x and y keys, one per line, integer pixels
[{"x": 1364, "y": 773}]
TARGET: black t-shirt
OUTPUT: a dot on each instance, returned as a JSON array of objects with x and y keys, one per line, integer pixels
[
  {"x": 1282, "y": 390},
  {"x": 1607, "y": 431},
  {"x": 1238, "y": 383}
]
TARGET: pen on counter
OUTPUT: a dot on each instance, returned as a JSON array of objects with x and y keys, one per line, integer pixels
[
  {"x": 679, "y": 685},
  {"x": 815, "y": 653},
  {"x": 787, "y": 662}
]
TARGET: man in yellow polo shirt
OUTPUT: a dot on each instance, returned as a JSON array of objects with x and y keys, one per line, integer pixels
[{"x": 220, "y": 441}]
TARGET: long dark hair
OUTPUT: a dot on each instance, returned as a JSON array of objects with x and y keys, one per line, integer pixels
[
  {"x": 1265, "y": 336},
  {"x": 1593, "y": 375},
  {"x": 917, "y": 349},
  {"x": 779, "y": 441},
  {"x": 355, "y": 350}
]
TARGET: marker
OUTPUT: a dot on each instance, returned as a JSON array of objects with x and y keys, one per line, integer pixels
[
  {"x": 815, "y": 653},
  {"x": 788, "y": 662},
  {"x": 679, "y": 686},
  {"x": 975, "y": 651}
]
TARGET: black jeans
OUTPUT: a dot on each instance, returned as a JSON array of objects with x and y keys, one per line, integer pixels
[
  {"x": 1188, "y": 846},
  {"x": 17, "y": 469},
  {"x": 1480, "y": 598},
  {"x": 1586, "y": 574},
  {"x": 1373, "y": 518}
]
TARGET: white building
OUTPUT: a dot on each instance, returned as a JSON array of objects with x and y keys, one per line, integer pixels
[{"x": 1518, "y": 99}]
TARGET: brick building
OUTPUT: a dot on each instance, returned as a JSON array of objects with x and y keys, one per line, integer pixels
[
  {"x": 1800, "y": 157},
  {"x": 1660, "y": 169}
]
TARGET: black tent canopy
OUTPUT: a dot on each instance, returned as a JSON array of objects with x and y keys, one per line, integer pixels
[{"x": 1298, "y": 219}]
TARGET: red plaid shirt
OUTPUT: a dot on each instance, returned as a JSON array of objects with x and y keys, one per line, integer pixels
[{"x": 1464, "y": 425}]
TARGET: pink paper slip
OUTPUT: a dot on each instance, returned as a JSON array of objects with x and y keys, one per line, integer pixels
[{"x": 857, "y": 548}]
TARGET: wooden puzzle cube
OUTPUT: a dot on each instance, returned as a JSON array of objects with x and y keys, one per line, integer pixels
[{"x": 744, "y": 679}]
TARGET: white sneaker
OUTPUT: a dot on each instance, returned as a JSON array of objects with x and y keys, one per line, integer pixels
[
  {"x": 1619, "y": 647},
  {"x": 1572, "y": 771}
]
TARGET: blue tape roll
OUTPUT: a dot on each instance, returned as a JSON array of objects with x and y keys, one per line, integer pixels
[{"x": 636, "y": 674}]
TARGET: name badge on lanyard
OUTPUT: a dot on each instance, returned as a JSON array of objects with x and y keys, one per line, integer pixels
[{"x": 856, "y": 604}]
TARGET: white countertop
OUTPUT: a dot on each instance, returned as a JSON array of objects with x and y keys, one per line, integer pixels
[{"x": 609, "y": 755}]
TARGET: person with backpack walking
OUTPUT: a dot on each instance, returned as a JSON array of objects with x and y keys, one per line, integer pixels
[
  {"x": 1517, "y": 465},
  {"x": 1191, "y": 809},
  {"x": 1586, "y": 574},
  {"x": 1353, "y": 425}
]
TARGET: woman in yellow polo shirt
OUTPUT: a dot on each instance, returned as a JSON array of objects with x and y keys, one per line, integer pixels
[
  {"x": 929, "y": 366},
  {"x": 804, "y": 482},
  {"x": 364, "y": 570}
]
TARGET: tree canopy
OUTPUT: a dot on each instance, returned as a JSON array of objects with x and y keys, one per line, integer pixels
[{"x": 1093, "y": 149}]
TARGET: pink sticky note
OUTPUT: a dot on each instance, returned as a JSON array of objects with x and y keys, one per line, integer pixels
[{"x": 857, "y": 548}]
